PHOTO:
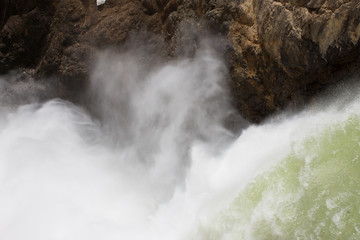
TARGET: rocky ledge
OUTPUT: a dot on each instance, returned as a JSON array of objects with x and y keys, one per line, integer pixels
[{"x": 279, "y": 53}]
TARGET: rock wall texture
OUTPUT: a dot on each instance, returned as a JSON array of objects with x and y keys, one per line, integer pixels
[{"x": 279, "y": 52}]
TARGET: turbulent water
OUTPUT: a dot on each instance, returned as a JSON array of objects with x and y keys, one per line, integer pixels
[{"x": 157, "y": 163}]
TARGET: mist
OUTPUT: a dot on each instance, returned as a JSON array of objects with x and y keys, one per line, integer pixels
[
  {"x": 66, "y": 174},
  {"x": 153, "y": 160}
]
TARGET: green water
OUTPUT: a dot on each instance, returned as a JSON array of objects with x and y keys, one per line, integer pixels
[{"x": 314, "y": 193}]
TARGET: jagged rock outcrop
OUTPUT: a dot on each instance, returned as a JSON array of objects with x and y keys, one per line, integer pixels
[{"x": 279, "y": 52}]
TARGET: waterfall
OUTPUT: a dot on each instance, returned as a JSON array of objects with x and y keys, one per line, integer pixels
[{"x": 157, "y": 161}]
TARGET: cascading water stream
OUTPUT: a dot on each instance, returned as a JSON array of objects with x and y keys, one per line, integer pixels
[{"x": 160, "y": 165}]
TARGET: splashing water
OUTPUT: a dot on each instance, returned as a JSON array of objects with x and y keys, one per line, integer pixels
[
  {"x": 100, "y": 2},
  {"x": 159, "y": 164},
  {"x": 312, "y": 193}
]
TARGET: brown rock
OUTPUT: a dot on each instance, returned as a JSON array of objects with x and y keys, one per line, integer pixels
[{"x": 279, "y": 52}]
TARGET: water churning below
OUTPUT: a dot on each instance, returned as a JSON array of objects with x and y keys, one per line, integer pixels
[{"x": 160, "y": 165}]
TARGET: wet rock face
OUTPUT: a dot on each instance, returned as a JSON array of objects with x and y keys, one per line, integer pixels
[
  {"x": 308, "y": 40},
  {"x": 289, "y": 50},
  {"x": 23, "y": 35},
  {"x": 279, "y": 52}
]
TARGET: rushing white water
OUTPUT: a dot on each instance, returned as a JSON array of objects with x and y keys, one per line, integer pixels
[{"x": 159, "y": 164}]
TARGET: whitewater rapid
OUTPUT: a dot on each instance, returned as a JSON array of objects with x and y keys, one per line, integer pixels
[{"x": 158, "y": 163}]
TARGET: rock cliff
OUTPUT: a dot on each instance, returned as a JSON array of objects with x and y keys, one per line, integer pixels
[{"x": 279, "y": 52}]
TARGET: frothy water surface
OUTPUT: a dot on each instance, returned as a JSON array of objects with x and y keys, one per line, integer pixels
[{"x": 160, "y": 165}]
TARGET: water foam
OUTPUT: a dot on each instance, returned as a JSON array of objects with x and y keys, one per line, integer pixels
[{"x": 157, "y": 165}]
